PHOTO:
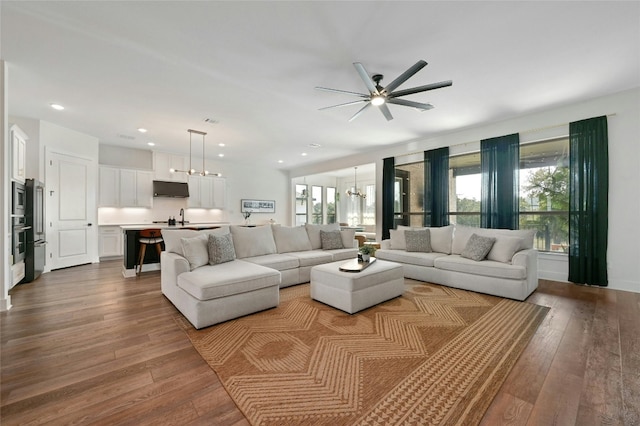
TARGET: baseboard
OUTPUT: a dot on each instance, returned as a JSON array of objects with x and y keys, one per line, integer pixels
[{"x": 5, "y": 304}]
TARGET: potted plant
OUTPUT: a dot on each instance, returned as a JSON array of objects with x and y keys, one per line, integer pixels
[{"x": 367, "y": 251}]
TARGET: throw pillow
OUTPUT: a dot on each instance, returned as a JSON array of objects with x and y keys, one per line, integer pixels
[
  {"x": 195, "y": 250},
  {"x": 441, "y": 238},
  {"x": 504, "y": 248},
  {"x": 331, "y": 240},
  {"x": 348, "y": 237},
  {"x": 418, "y": 240},
  {"x": 221, "y": 249},
  {"x": 397, "y": 239},
  {"x": 477, "y": 247}
]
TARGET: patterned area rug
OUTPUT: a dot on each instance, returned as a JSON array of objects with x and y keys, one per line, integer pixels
[{"x": 434, "y": 356}]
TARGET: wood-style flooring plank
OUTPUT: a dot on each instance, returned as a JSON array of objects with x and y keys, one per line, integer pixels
[{"x": 85, "y": 345}]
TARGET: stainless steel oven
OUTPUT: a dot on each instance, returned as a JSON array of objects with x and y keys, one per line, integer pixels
[
  {"x": 18, "y": 199},
  {"x": 19, "y": 238}
]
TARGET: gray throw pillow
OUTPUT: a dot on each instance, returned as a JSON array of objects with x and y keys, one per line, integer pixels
[
  {"x": 221, "y": 249},
  {"x": 418, "y": 240},
  {"x": 331, "y": 240},
  {"x": 477, "y": 247}
]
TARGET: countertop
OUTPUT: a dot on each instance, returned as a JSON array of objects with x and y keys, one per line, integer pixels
[{"x": 138, "y": 227}]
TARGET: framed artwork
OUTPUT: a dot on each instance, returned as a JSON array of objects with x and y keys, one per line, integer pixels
[{"x": 257, "y": 206}]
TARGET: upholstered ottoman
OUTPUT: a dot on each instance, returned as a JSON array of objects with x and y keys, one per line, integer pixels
[{"x": 354, "y": 291}]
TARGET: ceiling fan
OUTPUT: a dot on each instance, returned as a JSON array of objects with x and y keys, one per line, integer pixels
[{"x": 381, "y": 96}]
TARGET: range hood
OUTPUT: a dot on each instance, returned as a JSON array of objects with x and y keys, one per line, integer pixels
[{"x": 162, "y": 188}]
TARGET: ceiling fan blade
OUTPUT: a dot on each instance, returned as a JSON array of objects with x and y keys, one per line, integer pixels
[
  {"x": 345, "y": 104},
  {"x": 404, "y": 76},
  {"x": 360, "y": 111},
  {"x": 385, "y": 111},
  {"x": 418, "y": 105},
  {"x": 365, "y": 77},
  {"x": 419, "y": 89},
  {"x": 344, "y": 92}
]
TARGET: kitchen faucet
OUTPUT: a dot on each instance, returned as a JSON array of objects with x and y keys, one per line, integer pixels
[{"x": 182, "y": 217}]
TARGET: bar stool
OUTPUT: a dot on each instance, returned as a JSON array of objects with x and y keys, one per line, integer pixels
[{"x": 147, "y": 237}]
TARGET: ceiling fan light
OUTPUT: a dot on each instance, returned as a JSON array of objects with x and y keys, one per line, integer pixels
[{"x": 377, "y": 100}]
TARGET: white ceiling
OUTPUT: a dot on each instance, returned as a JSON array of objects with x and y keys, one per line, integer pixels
[{"x": 253, "y": 66}]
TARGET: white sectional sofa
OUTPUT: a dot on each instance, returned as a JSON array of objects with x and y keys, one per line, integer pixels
[
  {"x": 262, "y": 260},
  {"x": 510, "y": 269}
]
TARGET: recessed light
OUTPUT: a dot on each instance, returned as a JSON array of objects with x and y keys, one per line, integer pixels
[
  {"x": 221, "y": 144},
  {"x": 304, "y": 154},
  {"x": 57, "y": 107},
  {"x": 220, "y": 155},
  {"x": 280, "y": 161},
  {"x": 142, "y": 130},
  {"x": 151, "y": 144}
]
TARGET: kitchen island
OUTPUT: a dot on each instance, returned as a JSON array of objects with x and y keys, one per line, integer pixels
[{"x": 151, "y": 262}]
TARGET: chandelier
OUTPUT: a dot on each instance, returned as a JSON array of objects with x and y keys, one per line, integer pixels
[
  {"x": 191, "y": 170},
  {"x": 355, "y": 191}
]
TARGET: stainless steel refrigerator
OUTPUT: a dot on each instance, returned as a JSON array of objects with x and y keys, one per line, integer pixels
[{"x": 34, "y": 259}]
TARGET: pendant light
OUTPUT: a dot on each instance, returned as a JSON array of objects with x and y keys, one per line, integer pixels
[
  {"x": 191, "y": 170},
  {"x": 355, "y": 191}
]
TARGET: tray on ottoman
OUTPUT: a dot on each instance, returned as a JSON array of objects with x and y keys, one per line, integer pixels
[{"x": 356, "y": 265}]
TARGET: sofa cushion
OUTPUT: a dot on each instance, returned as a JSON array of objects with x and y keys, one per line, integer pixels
[
  {"x": 418, "y": 241},
  {"x": 343, "y": 254},
  {"x": 477, "y": 247},
  {"x": 504, "y": 248},
  {"x": 461, "y": 235},
  {"x": 250, "y": 242},
  {"x": 348, "y": 236},
  {"x": 290, "y": 239},
  {"x": 314, "y": 233},
  {"x": 411, "y": 258},
  {"x": 278, "y": 261},
  {"x": 331, "y": 240},
  {"x": 195, "y": 250},
  {"x": 312, "y": 257},
  {"x": 397, "y": 239},
  {"x": 225, "y": 279},
  {"x": 220, "y": 249},
  {"x": 173, "y": 237},
  {"x": 487, "y": 268}
]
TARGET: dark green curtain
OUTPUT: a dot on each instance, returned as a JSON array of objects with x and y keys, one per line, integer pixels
[
  {"x": 500, "y": 165},
  {"x": 436, "y": 187},
  {"x": 588, "y": 201},
  {"x": 388, "y": 180}
]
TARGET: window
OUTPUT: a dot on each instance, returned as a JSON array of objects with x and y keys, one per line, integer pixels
[
  {"x": 331, "y": 204},
  {"x": 316, "y": 205},
  {"x": 465, "y": 186},
  {"x": 301, "y": 204},
  {"x": 544, "y": 193},
  {"x": 369, "y": 211},
  {"x": 409, "y": 194}
]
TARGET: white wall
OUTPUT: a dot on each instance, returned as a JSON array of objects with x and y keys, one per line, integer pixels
[
  {"x": 5, "y": 190},
  {"x": 624, "y": 172}
]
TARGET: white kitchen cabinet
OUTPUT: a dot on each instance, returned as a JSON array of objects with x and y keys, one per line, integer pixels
[
  {"x": 18, "y": 153},
  {"x": 110, "y": 241},
  {"x": 109, "y": 187},
  {"x": 206, "y": 192},
  {"x": 125, "y": 187},
  {"x": 163, "y": 162},
  {"x": 136, "y": 188},
  {"x": 219, "y": 193}
]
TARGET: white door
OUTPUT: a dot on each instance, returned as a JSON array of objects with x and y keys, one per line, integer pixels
[{"x": 71, "y": 190}]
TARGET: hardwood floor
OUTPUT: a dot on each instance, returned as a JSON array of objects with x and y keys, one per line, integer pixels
[{"x": 86, "y": 346}]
